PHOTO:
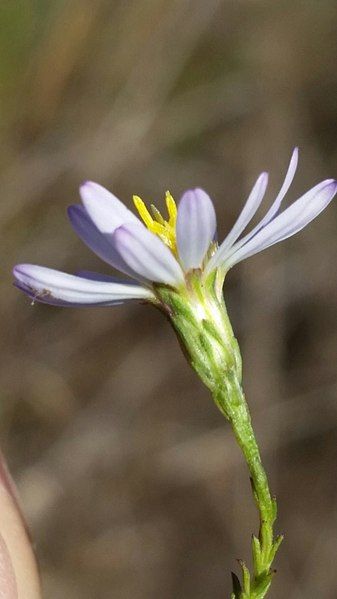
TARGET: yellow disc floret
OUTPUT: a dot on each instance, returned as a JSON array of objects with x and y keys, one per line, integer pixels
[{"x": 165, "y": 229}]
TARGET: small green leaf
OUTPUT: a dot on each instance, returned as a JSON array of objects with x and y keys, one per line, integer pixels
[
  {"x": 246, "y": 577},
  {"x": 274, "y": 506},
  {"x": 263, "y": 585},
  {"x": 275, "y": 547},
  {"x": 256, "y": 549}
]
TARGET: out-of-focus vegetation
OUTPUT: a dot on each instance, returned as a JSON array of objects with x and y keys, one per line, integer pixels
[{"x": 129, "y": 477}]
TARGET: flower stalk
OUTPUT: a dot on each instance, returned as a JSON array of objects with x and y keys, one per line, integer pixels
[
  {"x": 201, "y": 322},
  {"x": 265, "y": 546}
]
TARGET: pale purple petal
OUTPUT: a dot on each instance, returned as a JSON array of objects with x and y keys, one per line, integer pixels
[
  {"x": 55, "y": 287},
  {"x": 100, "y": 243},
  {"x": 196, "y": 226},
  {"x": 289, "y": 222},
  {"x": 92, "y": 237},
  {"x": 147, "y": 255},
  {"x": 52, "y": 301},
  {"x": 273, "y": 210},
  {"x": 97, "y": 276},
  {"x": 105, "y": 210},
  {"x": 251, "y": 206}
]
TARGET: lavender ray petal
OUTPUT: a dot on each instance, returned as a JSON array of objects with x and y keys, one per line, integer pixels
[
  {"x": 147, "y": 255},
  {"x": 196, "y": 227},
  {"x": 49, "y": 285},
  {"x": 61, "y": 303},
  {"x": 105, "y": 210},
  {"x": 273, "y": 210},
  {"x": 95, "y": 276},
  {"x": 98, "y": 242},
  {"x": 251, "y": 206},
  {"x": 289, "y": 222}
]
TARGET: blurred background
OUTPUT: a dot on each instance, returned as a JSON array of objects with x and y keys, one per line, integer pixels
[{"x": 129, "y": 477}]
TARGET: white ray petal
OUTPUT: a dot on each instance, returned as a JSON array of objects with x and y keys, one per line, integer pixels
[
  {"x": 196, "y": 226},
  {"x": 92, "y": 237},
  {"x": 53, "y": 286},
  {"x": 100, "y": 243},
  {"x": 289, "y": 222},
  {"x": 104, "y": 208},
  {"x": 147, "y": 255},
  {"x": 251, "y": 206},
  {"x": 274, "y": 208}
]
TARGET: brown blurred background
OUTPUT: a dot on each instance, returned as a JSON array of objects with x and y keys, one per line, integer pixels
[{"x": 130, "y": 478}]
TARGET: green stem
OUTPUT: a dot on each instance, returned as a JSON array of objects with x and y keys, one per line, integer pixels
[
  {"x": 201, "y": 322},
  {"x": 231, "y": 401}
]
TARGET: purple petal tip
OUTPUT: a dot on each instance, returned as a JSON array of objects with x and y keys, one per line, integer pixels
[
  {"x": 86, "y": 183},
  {"x": 330, "y": 183},
  {"x": 263, "y": 178},
  {"x": 124, "y": 229},
  {"x": 334, "y": 185},
  {"x": 194, "y": 194},
  {"x": 17, "y": 269}
]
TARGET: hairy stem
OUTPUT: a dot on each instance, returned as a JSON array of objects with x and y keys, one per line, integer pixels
[
  {"x": 231, "y": 401},
  {"x": 200, "y": 319}
]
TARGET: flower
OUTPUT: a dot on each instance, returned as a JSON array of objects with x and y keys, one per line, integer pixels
[{"x": 158, "y": 252}]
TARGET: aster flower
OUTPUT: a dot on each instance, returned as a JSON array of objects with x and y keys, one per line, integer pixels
[{"x": 155, "y": 252}]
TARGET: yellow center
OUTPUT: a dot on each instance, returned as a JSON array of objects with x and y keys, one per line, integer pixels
[{"x": 165, "y": 229}]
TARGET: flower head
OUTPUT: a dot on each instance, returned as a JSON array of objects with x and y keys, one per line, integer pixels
[{"x": 157, "y": 252}]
